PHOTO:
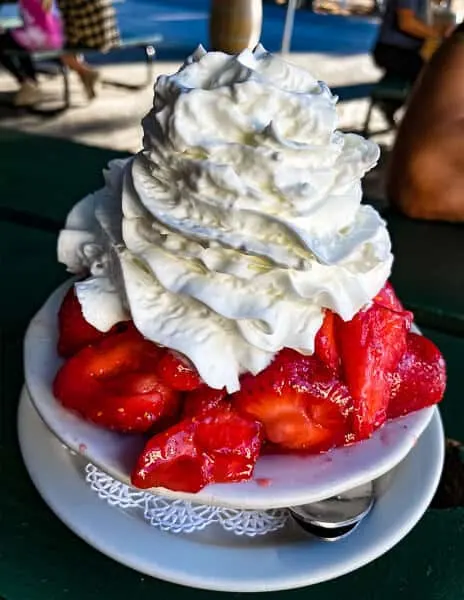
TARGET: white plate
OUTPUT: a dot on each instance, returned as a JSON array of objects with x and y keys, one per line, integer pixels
[
  {"x": 218, "y": 560},
  {"x": 278, "y": 481}
]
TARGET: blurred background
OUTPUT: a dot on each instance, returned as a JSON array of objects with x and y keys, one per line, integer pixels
[{"x": 331, "y": 38}]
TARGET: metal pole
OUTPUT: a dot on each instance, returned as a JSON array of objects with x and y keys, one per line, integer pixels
[{"x": 288, "y": 27}]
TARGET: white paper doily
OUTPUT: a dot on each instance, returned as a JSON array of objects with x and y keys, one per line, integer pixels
[{"x": 178, "y": 516}]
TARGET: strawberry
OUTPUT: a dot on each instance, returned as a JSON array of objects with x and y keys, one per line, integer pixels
[
  {"x": 74, "y": 331},
  {"x": 232, "y": 441},
  {"x": 218, "y": 447},
  {"x": 388, "y": 299},
  {"x": 371, "y": 345},
  {"x": 202, "y": 400},
  {"x": 177, "y": 372},
  {"x": 136, "y": 412},
  {"x": 171, "y": 460},
  {"x": 300, "y": 402},
  {"x": 419, "y": 379},
  {"x": 113, "y": 383},
  {"x": 326, "y": 343}
]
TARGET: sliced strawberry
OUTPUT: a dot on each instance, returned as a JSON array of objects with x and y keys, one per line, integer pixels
[
  {"x": 124, "y": 352},
  {"x": 134, "y": 413},
  {"x": 113, "y": 384},
  {"x": 171, "y": 460},
  {"x": 134, "y": 383},
  {"x": 177, "y": 372},
  {"x": 231, "y": 441},
  {"x": 388, "y": 299},
  {"x": 326, "y": 343},
  {"x": 202, "y": 400},
  {"x": 371, "y": 345},
  {"x": 300, "y": 402},
  {"x": 419, "y": 379},
  {"x": 74, "y": 331},
  {"x": 217, "y": 447}
]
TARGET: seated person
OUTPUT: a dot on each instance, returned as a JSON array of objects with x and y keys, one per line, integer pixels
[
  {"x": 426, "y": 173},
  {"x": 91, "y": 25},
  {"x": 41, "y": 30},
  {"x": 398, "y": 47}
]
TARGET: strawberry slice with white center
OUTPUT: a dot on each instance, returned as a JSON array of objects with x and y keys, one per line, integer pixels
[{"x": 300, "y": 402}]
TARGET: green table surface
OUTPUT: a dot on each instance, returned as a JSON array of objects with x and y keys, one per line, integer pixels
[
  {"x": 428, "y": 271},
  {"x": 40, "y": 559},
  {"x": 44, "y": 176}
]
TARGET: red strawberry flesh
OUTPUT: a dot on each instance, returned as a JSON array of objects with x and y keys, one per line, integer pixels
[
  {"x": 113, "y": 384},
  {"x": 202, "y": 400},
  {"x": 371, "y": 345},
  {"x": 420, "y": 378},
  {"x": 326, "y": 347},
  {"x": 74, "y": 332},
  {"x": 300, "y": 401},
  {"x": 388, "y": 298},
  {"x": 177, "y": 372},
  {"x": 217, "y": 447}
]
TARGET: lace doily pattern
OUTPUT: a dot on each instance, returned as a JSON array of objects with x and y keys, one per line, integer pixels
[{"x": 179, "y": 516}]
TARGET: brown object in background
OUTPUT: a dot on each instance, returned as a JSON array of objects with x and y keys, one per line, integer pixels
[
  {"x": 425, "y": 178},
  {"x": 235, "y": 24}
]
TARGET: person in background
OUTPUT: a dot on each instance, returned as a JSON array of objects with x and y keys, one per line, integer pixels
[
  {"x": 41, "y": 30},
  {"x": 397, "y": 51},
  {"x": 426, "y": 174},
  {"x": 88, "y": 24}
]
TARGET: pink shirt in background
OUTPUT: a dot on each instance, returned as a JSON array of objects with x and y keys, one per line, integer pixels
[{"x": 41, "y": 29}]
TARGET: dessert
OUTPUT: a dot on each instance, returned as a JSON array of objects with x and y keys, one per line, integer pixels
[{"x": 232, "y": 292}]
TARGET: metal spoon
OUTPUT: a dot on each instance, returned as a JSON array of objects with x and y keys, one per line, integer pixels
[{"x": 336, "y": 517}]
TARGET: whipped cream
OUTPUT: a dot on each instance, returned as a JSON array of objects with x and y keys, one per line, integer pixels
[{"x": 238, "y": 223}]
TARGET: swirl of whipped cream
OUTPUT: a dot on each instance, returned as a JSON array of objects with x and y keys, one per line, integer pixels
[{"x": 239, "y": 222}]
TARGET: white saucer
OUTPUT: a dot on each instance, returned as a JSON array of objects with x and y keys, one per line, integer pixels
[
  {"x": 279, "y": 481},
  {"x": 217, "y": 560}
]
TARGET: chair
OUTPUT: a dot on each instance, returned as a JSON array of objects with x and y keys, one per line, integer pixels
[
  {"x": 55, "y": 66},
  {"x": 390, "y": 87}
]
